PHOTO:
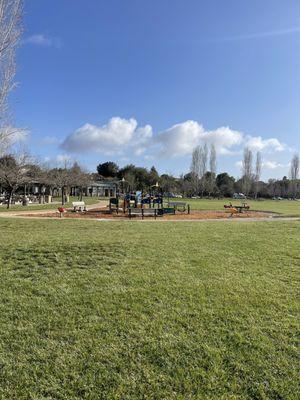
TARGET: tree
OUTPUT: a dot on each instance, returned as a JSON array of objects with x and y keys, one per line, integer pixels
[
  {"x": 225, "y": 184},
  {"x": 168, "y": 184},
  {"x": 247, "y": 171},
  {"x": 195, "y": 169},
  {"x": 60, "y": 178},
  {"x": 79, "y": 178},
  {"x": 199, "y": 167},
  {"x": 108, "y": 169},
  {"x": 210, "y": 177},
  {"x": 14, "y": 172},
  {"x": 294, "y": 173},
  {"x": 258, "y": 167},
  {"x": 153, "y": 176},
  {"x": 10, "y": 31}
]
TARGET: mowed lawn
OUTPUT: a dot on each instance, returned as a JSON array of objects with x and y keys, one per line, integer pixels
[
  {"x": 51, "y": 206},
  {"x": 282, "y": 207},
  {"x": 149, "y": 310}
]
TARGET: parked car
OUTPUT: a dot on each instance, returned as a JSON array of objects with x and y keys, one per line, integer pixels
[{"x": 239, "y": 196}]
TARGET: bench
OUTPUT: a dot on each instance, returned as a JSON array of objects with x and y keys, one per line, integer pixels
[
  {"x": 143, "y": 212},
  {"x": 180, "y": 206},
  {"x": 78, "y": 206}
]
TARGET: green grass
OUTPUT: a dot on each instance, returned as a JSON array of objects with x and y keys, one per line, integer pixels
[
  {"x": 162, "y": 310},
  {"x": 283, "y": 207},
  {"x": 30, "y": 207}
]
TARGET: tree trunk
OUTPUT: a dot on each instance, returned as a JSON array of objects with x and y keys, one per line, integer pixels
[
  {"x": 62, "y": 196},
  {"x": 10, "y": 196}
]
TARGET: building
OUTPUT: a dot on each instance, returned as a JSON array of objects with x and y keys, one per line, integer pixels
[{"x": 97, "y": 189}]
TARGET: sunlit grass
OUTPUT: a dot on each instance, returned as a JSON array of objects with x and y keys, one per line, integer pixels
[
  {"x": 52, "y": 206},
  {"x": 126, "y": 310},
  {"x": 283, "y": 207}
]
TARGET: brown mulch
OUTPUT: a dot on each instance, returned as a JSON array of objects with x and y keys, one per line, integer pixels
[{"x": 101, "y": 213}]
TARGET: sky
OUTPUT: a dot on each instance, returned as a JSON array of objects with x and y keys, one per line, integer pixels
[{"x": 144, "y": 82}]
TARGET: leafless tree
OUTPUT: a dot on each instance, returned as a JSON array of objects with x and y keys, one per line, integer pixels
[
  {"x": 60, "y": 178},
  {"x": 258, "y": 168},
  {"x": 213, "y": 159},
  {"x": 211, "y": 177},
  {"x": 294, "y": 174},
  {"x": 199, "y": 167},
  {"x": 195, "y": 169},
  {"x": 79, "y": 178},
  {"x": 14, "y": 172},
  {"x": 247, "y": 170},
  {"x": 10, "y": 31}
]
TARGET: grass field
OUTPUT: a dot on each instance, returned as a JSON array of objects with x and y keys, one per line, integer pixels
[
  {"x": 30, "y": 207},
  {"x": 283, "y": 207},
  {"x": 132, "y": 310}
]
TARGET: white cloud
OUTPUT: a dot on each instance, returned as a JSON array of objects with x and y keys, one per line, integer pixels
[
  {"x": 41, "y": 39},
  {"x": 123, "y": 137},
  {"x": 272, "y": 165},
  {"x": 267, "y": 164},
  {"x": 63, "y": 159},
  {"x": 118, "y": 136},
  {"x": 259, "y": 144},
  {"x": 181, "y": 139},
  {"x": 239, "y": 164}
]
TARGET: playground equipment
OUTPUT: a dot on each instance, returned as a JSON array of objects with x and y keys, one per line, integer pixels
[
  {"x": 132, "y": 202},
  {"x": 236, "y": 209},
  {"x": 61, "y": 211},
  {"x": 180, "y": 206}
]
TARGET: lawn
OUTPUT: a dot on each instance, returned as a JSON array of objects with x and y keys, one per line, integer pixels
[
  {"x": 154, "y": 310},
  {"x": 283, "y": 207},
  {"x": 88, "y": 201}
]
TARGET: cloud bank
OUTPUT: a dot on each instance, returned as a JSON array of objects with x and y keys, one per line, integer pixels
[{"x": 123, "y": 137}]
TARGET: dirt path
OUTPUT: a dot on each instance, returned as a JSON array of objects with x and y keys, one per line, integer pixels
[
  {"x": 24, "y": 215},
  {"x": 17, "y": 213}
]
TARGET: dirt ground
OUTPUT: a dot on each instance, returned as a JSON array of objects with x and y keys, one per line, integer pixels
[{"x": 102, "y": 213}]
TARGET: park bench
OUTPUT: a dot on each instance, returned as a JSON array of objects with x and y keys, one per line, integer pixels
[
  {"x": 180, "y": 206},
  {"x": 143, "y": 212},
  {"x": 78, "y": 206}
]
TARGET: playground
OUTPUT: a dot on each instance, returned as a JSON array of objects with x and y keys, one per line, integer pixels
[
  {"x": 137, "y": 206},
  {"x": 104, "y": 214}
]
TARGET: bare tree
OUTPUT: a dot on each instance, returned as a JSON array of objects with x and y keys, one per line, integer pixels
[
  {"x": 247, "y": 170},
  {"x": 60, "y": 178},
  {"x": 195, "y": 169},
  {"x": 199, "y": 167},
  {"x": 10, "y": 31},
  {"x": 213, "y": 159},
  {"x": 258, "y": 167},
  {"x": 14, "y": 172},
  {"x": 211, "y": 176},
  {"x": 294, "y": 174},
  {"x": 79, "y": 178}
]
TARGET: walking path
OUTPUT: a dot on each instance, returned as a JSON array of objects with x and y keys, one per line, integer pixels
[{"x": 18, "y": 213}]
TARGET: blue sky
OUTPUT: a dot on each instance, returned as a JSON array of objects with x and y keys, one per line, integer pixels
[{"x": 146, "y": 81}]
